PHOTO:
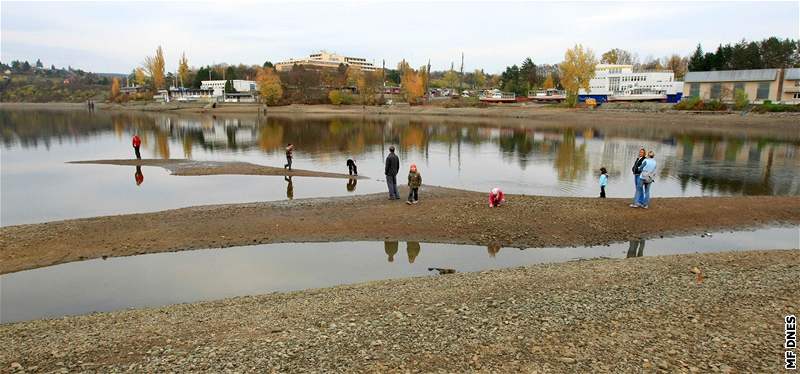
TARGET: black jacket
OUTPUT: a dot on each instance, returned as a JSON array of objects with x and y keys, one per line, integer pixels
[
  {"x": 392, "y": 165},
  {"x": 637, "y": 166}
]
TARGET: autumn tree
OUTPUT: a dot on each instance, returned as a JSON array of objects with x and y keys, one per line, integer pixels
[
  {"x": 114, "y": 88},
  {"x": 154, "y": 66},
  {"x": 368, "y": 84},
  {"x": 139, "y": 77},
  {"x": 450, "y": 79},
  {"x": 576, "y": 71},
  {"x": 678, "y": 65},
  {"x": 413, "y": 82},
  {"x": 548, "y": 83},
  {"x": 269, "y": 86},
  {"x": 618, "y": 56},
  {"x": 479, "y": 78},
  {"x": 183, "y": 69}
]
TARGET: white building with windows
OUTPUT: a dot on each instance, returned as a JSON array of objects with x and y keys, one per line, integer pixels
[
  {"x": 218, "y": 86},
  {"x": 621, "y": 83},
  {"x": 325, "y": 59}
]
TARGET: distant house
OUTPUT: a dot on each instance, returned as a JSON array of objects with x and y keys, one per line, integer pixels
[
  {"x": 779, "y": 85},
  {"x": 129, "y": 90}
]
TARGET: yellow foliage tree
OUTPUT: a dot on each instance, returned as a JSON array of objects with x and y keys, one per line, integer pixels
[
  {"x": 114, "y": 88},
  {"x": 479, "y": 78},
  {"x": 413, "y": 83},
  {"x": 269, "y": 86},
  {"x": 548, "y": 83},
  {"x": 368, "y": 84},
  {"x": 183, "y": 69},
  {"x": 450, "y": 79},
  {"x": 154, "y": 66},
  {"x": 576, "y": 71},
  {"x": 139, "y": 77},
  {"x": 353, "y": 76}
]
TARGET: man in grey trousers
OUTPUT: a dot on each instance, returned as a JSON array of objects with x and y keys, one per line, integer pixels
[{"x": 391, "y": 170}]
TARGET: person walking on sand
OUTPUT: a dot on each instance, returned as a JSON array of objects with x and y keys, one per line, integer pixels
[
  {"x": 137, "y": 142},
  {"x": 496, "y": 197},
  {"x": 603, "y": 182},
  {"x": 289, "y": 155},
  {"x": 637, "y": 170},
  {"x": 390, "y": 170},
  {"x": 647, "y": 177},
  {"x": 414, "y": 181},
  {"x": 351, "y": 167}
]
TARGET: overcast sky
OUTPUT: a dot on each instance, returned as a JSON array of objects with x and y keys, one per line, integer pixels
[{"x": 115, "y": 37}]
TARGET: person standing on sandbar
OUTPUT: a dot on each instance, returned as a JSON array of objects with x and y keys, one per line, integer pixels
[
  {"x": 137, "y": 142},
  {"x": 391, "y": 169}
]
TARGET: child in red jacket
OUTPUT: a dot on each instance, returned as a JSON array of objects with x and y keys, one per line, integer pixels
[
  {"x": 496, "y": 197},
  {"x": 136, "y": 143}
]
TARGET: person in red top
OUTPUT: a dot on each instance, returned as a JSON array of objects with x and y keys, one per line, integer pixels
[
  {"x": 136, "y": 143},
  {"x": 496, "y": 197},
  {"x": 138, "y": 176}
]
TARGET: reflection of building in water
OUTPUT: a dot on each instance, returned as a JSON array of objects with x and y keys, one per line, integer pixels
[
  {"x": 738, "y": 166},
  {"x": 636, "y": 248}
]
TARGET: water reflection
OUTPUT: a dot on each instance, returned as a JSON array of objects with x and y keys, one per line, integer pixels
[
  {"x": 636, "y": 248},
  {"x": 493, "y": 249},
  {"x": 289, "y": 187},
  {"x": 150, "y": 280},
  {"x": 351, "y": 184},
  {"x": 390, "y": 248},
  {"x": 412, "y": 249},
  {"x": 543, "y": 160},
  {"x": 138, "y": 177}
]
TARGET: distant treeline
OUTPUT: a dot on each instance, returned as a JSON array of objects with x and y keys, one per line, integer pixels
[
  {"x": 765, "y": 54},
  {"x": 25, "y": 82}
]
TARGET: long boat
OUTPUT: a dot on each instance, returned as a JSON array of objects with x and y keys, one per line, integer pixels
[{"x": 497, "y": 96}]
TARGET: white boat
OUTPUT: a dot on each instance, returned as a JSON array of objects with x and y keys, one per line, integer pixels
[
  {"x": 621, "y": 83},
  {"x": 497, "y": 96},
  {"x": 551, "y": 94}
]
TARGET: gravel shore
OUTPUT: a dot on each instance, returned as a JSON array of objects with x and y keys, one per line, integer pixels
[{"x": 650, "y": 314}]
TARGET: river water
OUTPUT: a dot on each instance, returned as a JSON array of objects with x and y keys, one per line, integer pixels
[
  {"x": 189, "y": 276},
  {"x": 559, "y": 159}
]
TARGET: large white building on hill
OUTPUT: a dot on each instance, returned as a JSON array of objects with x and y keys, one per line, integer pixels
[{"x": 325, "y": 59}]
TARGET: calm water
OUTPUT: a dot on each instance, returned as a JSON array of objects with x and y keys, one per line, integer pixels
[
  {"x": 188, "y": 276},
  {"x": 38, "y": 186}
]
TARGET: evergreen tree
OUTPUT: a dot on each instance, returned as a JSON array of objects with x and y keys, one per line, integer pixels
[
  {"x": 697, "y": 62},
  {"x": 229, "y": 86},
  {"x": 39, "y": 63}
]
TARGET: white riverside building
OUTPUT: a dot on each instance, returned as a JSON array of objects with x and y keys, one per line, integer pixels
[
  {"x": 621, "y": 83},
  {"x": 218, "y": 86}
]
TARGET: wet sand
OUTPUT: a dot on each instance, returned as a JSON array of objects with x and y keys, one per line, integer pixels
[
  {"x": 193, "y": 168},
  {"x": 443, "y": 216},
  {"x": 648, "y": 314}
]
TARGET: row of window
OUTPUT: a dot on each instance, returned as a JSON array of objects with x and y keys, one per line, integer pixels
[{"x": 762, "y": 93}]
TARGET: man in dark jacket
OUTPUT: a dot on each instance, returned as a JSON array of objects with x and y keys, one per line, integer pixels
[{"x": 391, "y": 170}]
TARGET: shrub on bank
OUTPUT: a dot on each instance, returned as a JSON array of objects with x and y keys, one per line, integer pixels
[
  {"x": 696, "y": 103},
  {"x": 769, "y": 106}
]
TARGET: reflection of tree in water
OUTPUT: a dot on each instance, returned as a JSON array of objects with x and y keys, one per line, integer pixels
[
  {"x": 517, "y": 142},
  {"x": 570, "y": 161}
]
